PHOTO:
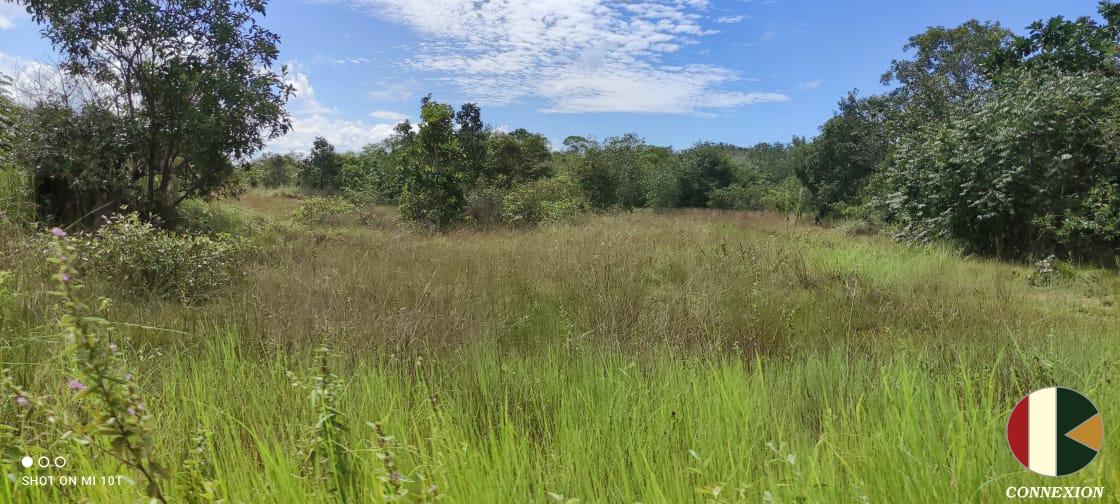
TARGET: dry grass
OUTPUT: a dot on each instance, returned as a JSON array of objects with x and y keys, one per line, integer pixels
[{"x": 588, "y": 360}]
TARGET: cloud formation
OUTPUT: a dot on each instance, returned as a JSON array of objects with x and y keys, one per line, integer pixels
[
  {"x": 387, "y": 115},
  {"x": 311, "y": 119},
  {"x": 576, "y": 55},
  {"x": 9, "y": 13}
]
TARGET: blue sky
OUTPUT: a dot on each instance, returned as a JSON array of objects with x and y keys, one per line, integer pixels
[{"x": 673, "y": 71}]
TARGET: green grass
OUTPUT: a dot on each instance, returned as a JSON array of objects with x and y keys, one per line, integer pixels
[{"x": 641, "y": 357}]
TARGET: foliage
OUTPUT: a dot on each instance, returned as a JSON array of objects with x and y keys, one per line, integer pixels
[
  {"x": 1076, "y": 45},
  {"x": 322, "y": 210},
  {"x": 485, "y": 204},
  {"x": 613, "y": 174},
  {"x": 142, "y": 261},
  {"x": 543, "y": 201},
  {"x": 320, "y": 169},
  {"x": 704, "y": 168},
  {"x": 1033, "y": 171},
  {"x": 433, "y": 171},
  {"x": 275, "y": 170},
  {"x": 80, "y": 161},
  {"x": 475, "y": 352},
  {"x": 473, "y": 138},
  {"x": 516, "y": 157},
  {"x": 737, "y": 196},
  {"x": 7, "y": 121},
  {"x": 210, "y": 218},
  {"x": 851, "y": 146},
  {"x": 327, "y": 456},
  {"x": 112, "y": 412},
  {"x": 948, "y": 69},
  {"x": 193, "y": 86}
]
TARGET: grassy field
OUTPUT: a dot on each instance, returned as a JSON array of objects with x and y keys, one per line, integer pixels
[{"x": 679, "y": 357}]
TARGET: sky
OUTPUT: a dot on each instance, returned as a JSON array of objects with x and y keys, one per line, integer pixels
[{"x": 674, "y": 72}]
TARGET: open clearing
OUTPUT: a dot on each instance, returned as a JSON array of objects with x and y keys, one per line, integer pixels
[{"x": 644, "y": 357}]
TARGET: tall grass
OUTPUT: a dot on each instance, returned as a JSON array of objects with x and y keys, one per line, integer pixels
[{"x": 688, "y": 356}]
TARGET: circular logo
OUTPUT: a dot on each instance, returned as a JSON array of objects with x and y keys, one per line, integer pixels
[{"x": 1055, "y": 431}]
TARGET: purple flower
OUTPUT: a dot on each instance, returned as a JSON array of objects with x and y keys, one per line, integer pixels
[
  {"x": 22, "y": 401},
  {"x": 112, "y": 347},
  {"x": 76, "y": 385},
  {"x": 66, "y": 277},
  {"x": 131, "y": 411},
  {"x": 58, "y": 232}
]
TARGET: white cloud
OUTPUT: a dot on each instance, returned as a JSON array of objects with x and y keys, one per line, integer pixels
[
  {"x": 345, "y": 135},
  {"x": 311, "y": 119},
  {"x": 576, "y": 55},
  {"x": 730, "y": 19},
  {"x": 9, "y": 13},
  {"x": 397, "y": 91},
  {"x": 388, "y": 115},
  {"x": 813, "y": 84},
  {"x": 32, "y": 80}
]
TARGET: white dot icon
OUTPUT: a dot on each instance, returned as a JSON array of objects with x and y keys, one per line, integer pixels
[{"x": 27, "y": 461}]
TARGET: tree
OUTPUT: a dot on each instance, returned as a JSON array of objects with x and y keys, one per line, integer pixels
[
  {"x": 1071, "y": 46},
  {"x": 517, "y": 157},
  {"x": 849, "y": 149},
  {"x": 705, "y": 168},
  {"x": 614, "y": 174},
  {"x": 1036, "y": 170},
  {"x": 320, "y": 169},
  {"x": 80, "y": 159},
  {"x": 275, "y": 170},
  {"x": 472, "y": 137},
  {"x": 576, "y": 144},
  {"x": 7, "y": 121},
  {"x": 193, "y": 80},
  {"x": 948, "y": 68},
  {"x": 433, "y": 170}
]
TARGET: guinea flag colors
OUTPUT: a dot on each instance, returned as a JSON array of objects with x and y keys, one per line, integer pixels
[{"x": 1055, "y": 431}]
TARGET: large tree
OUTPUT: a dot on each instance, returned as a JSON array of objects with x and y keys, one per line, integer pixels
[
  {"x": 1080, "y": 45},
  {"x": 195, "y": 82},
  {"x": 948, "y": 68},
  {"x": 836, "y": 166}
]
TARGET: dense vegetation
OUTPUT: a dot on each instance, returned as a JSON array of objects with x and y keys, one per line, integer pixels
[
  {"x": 1006, "y": 144},
  {"x": 477, "y": 315}
]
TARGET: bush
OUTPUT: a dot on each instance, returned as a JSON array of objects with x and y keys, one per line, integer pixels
[
  {"x": 198, "y": 217},
  {"x": 1031, "y": 173},
  {"x": 543, "y": 201},
  {"x": 737, "y": 196},
  {"x": 485, "y": 205},
  {"x": 146, "y": 262},
  {"x": 323, "y": 211}
]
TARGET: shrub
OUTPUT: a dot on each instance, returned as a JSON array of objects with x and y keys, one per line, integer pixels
[
  {"x": 323, "y": 211},
  {"x": 486, "y": 205},
  {"x": 1031, "y": 172},
  {"x": 543, "y": 201},
  {"x": 198, "y": 217},
  {"x": 737, "y": 196},
  {"x": 143, "y": 261},
  {"x": 706, "y": 168}
]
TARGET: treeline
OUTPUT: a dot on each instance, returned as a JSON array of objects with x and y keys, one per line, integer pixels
[
  {"x": 1006, "y": 144},
  {"x": 1009, "y": 145},
  {"x": 452, "y": 169}
]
